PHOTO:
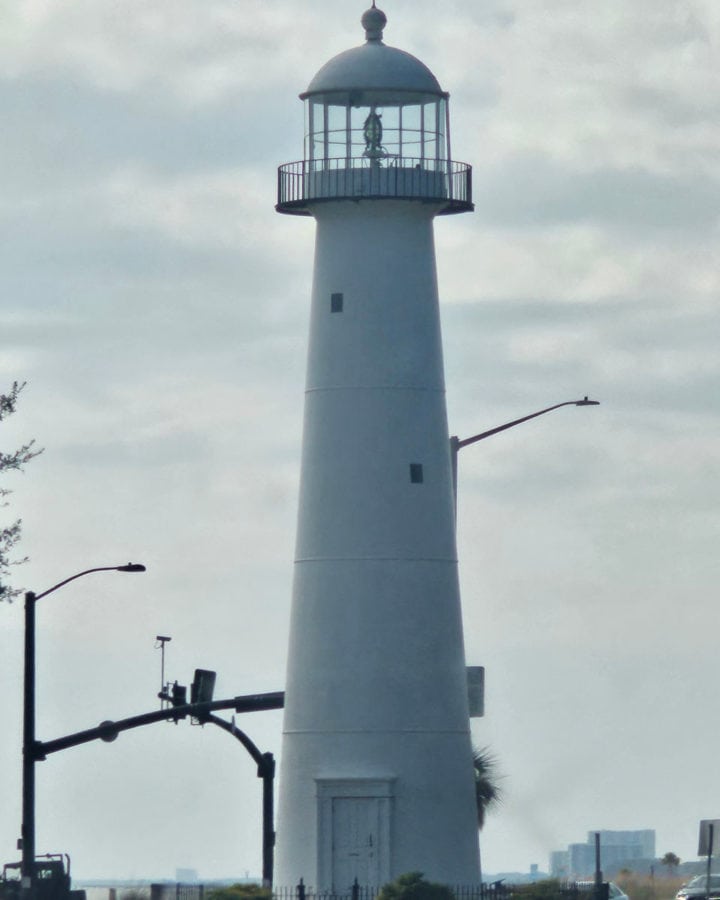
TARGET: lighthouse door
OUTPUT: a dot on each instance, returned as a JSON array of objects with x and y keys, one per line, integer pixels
[
  {"x": 355, "y": 839},
  {"x": 354, "y": 832}
]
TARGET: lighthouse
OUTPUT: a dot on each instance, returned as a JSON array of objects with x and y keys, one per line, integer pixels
[{"x": 376, "y": 772}]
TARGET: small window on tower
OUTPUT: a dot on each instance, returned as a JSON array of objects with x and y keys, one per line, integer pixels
[
  {"x": 336, "y": 302},
  {"x": 416, "y": 473}
]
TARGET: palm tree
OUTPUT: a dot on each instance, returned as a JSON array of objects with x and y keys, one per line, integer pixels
[{"x": 487, "y": 790}]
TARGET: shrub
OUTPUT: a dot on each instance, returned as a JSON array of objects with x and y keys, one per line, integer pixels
[
  {"x": 412, "y": 886},
  {"x": 547, "y": 889},
  {"x": 239, "y": 892}
]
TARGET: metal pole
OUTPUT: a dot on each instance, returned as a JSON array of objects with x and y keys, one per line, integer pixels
[
  {"x": 29, "y": 753},
  {"x": 454, "y": 450},
  {"x": 711, "y": 835},
  {"x": 267, "y": 770},
  {"x": 28, "y": 768}
]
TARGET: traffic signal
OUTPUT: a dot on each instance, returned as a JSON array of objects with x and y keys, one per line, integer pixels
[
  {"x": 179, "y": 695},
  {"x": 203, "y": 686}
]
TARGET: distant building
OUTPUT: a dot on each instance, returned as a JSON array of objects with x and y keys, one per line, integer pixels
[
  {"x": 559, "y": 863},
  {"x": 618, "y": 849},
  {"x": 186, "y": 876},
  {"x": 634, "y": 844}
]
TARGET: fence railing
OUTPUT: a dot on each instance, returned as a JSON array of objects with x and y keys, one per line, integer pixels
[
  {"x": 492, "y": 891},
  {"x": 177, "y": 891},
  {"x": 357, "y": 891},
  {"x": 310, "y": 181}
]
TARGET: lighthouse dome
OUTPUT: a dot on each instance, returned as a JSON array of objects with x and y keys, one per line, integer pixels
[
  {"x": 376, "y": 126},
  {"x": 374, "y": 66}
]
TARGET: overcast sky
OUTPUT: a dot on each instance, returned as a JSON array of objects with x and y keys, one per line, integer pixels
[{"x": 157, "y": 306}]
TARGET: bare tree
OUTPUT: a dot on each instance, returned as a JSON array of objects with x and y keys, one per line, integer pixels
[{"x": 13, "y": 460}]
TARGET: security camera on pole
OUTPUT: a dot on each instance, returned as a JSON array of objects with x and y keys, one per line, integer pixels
[{"x": 377, "y": 774}]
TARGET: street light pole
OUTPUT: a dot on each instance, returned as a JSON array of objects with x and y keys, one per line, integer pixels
[
  {"x": 29, "y": 743},
  {"x": 456, "y": 444},
  {"x": 27, "y": 841}
]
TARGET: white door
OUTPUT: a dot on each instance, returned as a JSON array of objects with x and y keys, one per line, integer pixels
[{"x": 356, "y": 842}]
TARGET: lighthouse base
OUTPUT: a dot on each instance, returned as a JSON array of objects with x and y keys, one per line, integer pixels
[{"x": 374, "y": 827}]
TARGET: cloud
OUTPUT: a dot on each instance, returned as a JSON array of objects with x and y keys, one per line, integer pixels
[
  {"x": 528, "y": 192},
  {"x": 190, "y": 54},
  {"x": 158, "y": 307}
]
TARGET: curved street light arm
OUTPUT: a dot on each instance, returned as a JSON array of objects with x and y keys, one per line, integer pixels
[
  {"x": 129, "y": 567},
  {"x": 456, "y": 444},
  {"x": 478, "y": 437},
  {"x": 236, "y": 732},
  {"x": 29, "y": 753}
]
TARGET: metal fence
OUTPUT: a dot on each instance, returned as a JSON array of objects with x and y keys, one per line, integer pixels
[
  {"x": 493, "y": 891},
  {"x": 177, "y": 891},
  {"x": 402, "y": 178},
  {"x": 363, "y": 892}
]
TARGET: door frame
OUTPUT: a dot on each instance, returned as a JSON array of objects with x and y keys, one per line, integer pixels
[{"x": 329, "y": 789}]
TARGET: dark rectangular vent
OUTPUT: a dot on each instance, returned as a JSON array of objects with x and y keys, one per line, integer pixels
[
  {"x": 336, "y": 302},
  {"x": 416, "y": 473}
]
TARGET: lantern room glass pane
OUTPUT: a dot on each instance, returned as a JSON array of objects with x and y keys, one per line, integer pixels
[
  {"x": 337, "y": 134},
  {"x": 412, "y": 136},
  {"x": 430, "y": 132},
  {"x": 358, "y": 116},
  {"x": 380, "y": 128}
]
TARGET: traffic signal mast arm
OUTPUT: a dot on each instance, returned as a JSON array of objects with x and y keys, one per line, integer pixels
[{"x": 108, "y": 731}]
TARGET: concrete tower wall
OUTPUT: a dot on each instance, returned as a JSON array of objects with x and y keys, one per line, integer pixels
[{"x": 376, "y": 748}]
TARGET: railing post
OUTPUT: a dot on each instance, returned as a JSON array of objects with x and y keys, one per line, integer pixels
[
  {"x": 355, "y": 889},
  {"x": 301, "y": 890}
]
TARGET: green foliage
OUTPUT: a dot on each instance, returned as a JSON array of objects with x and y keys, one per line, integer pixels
[
  {"x": 487, "y": 790},
  {"x": 644, "y": 887},
  {"x": 14, "y": 460},
  {"x": 135, "y": 894},
  {"x": 547, "y": 889},
  {"x": 412, "y": 886},
  {"x": 239, "y": 892}
]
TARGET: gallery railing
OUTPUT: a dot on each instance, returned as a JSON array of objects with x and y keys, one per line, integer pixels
[{"x": 404, "y": 178}]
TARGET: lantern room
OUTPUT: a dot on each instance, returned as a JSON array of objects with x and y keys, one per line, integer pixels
[
  {"x": 380, "y": 126},
  {"x": 376, "y": 125}
]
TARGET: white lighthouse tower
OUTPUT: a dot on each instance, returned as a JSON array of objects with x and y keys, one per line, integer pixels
[{"x": 376, "y": 776}]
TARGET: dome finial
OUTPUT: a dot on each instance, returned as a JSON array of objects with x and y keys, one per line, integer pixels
[{"x": 373, "y": 21}]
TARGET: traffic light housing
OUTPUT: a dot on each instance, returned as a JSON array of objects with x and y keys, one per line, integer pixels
[
  {"x": 179, "y": 695},
  {"x": 203, "y": 686}
]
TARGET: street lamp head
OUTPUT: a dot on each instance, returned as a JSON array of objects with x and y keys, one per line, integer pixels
[
  {"x": 131, "y": 567},
  {"x": 586, "y": 402}
]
